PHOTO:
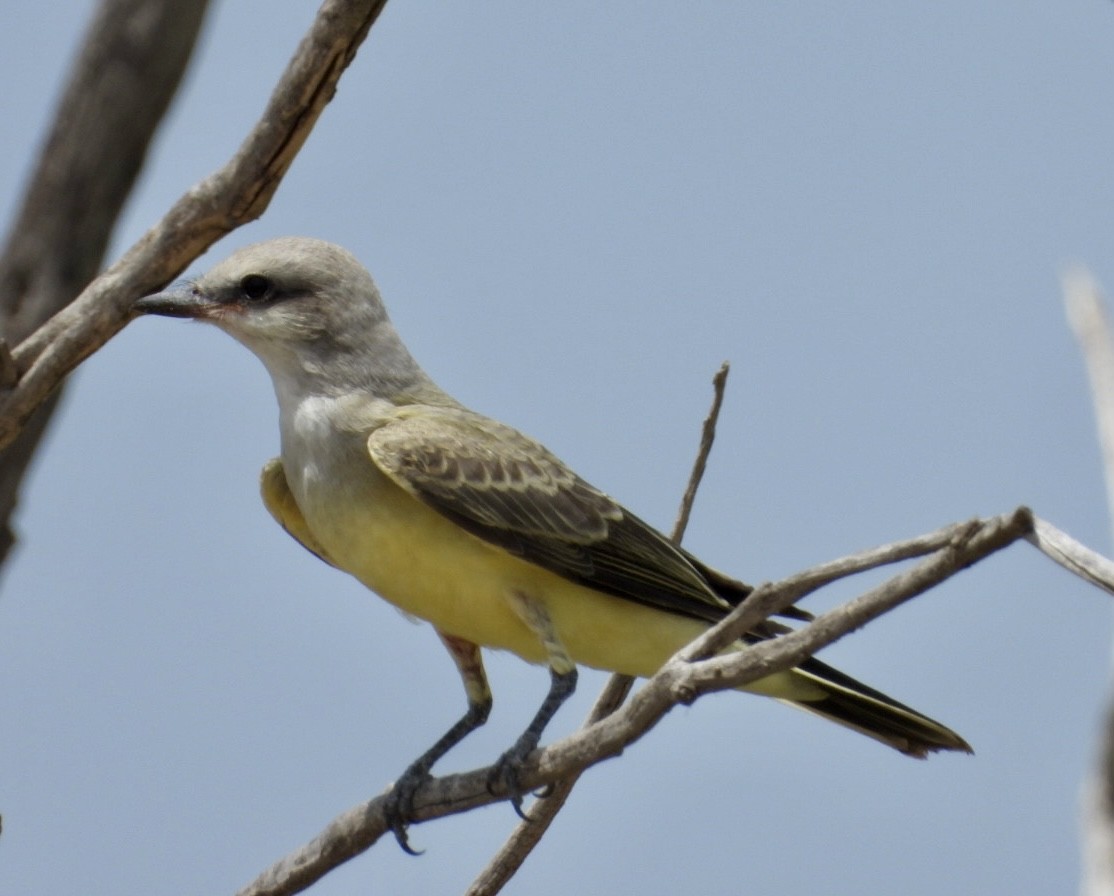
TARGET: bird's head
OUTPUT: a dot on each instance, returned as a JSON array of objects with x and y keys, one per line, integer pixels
[
  {"x": 286, "y": 291},
  {"x": 306, "y": 307}
]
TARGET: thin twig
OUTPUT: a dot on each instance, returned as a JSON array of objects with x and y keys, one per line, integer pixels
[
  {"x": 526, "y": 835},
  {"x": 707, "y": 437}
]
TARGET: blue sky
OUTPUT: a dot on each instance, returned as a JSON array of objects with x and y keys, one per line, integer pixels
[{"x": 575, "y": 213}]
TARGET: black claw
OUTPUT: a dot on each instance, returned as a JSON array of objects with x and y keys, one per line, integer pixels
[
  {"x": 403, "y": 841},
  {"x": 399, "y": 809},
  {"x": 506, "y": 774},
  {"x": 398, "y": 828},
  {"x": 507, "y": 771}
]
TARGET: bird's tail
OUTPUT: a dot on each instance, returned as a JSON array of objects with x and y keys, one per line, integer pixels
[{"x": 855, "y": 705}]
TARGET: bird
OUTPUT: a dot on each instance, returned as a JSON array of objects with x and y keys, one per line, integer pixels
[{"x": 468, "y": 524}]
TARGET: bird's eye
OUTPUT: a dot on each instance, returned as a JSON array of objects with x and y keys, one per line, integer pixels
[{"x": 255, "y": 287}]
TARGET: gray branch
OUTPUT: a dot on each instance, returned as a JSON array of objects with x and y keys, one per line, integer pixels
[
  {"x": 1088, "y": 318},
  {"x": 126, "y": 73},
  {"x": 694, "y": 671}
]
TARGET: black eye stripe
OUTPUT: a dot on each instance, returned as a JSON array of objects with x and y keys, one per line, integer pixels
[{"x": 255, "y": 287}]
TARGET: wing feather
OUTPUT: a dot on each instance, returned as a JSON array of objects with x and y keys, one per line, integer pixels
[{"x": 509, "y": 490}]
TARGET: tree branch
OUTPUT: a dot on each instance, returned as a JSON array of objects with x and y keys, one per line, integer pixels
[
  {"x": 1060, "y": 547},
  {"x": 1091, "y": 325},
  {"x": 237, "y": 193},
  {"x": 129, "y": 67},
  {"x": 682, "y": 679}
]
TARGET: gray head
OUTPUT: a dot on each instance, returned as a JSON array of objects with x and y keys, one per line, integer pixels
[{"x": 308, "y": 309}]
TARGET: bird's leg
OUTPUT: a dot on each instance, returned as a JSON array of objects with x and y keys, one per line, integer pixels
[
  {"x": 506, "y": 771},
  {"x": 400, "y": 801},
  {"x": 562, "y": 684}
]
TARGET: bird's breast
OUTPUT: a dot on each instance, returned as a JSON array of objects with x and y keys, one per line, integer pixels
[{"x": 393, "y": 543}]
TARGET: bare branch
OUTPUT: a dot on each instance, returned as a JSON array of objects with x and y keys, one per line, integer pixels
[
  {"x": 768, "y": 600},
  {"x": 526, "y": 835},
  {"x": 970, "y": 542},
  {"x": 707, "y": 437},
  {"x": 234, "y": 195},
  {"x": 1091, "y": 324},
  {"x": 128, "y": 69},
  {"x": 681, "y": 680},
  {"x": 1073, "y": 556}
]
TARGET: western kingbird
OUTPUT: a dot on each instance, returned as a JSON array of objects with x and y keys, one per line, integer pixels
[{"x": 467, "y": 523}]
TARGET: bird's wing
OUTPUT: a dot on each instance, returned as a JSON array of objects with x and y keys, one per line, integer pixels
[
  {"x": 510, "y": 491},
  {"x": 280, "y": 502}
]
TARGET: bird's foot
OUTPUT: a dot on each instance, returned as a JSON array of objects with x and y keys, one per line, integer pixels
[
  {"x": 399, "y": 810},
  {"x": 507, "y": 771}
]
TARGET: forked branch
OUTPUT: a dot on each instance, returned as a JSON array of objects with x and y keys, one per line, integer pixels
[{"x": 688, "y": 675}]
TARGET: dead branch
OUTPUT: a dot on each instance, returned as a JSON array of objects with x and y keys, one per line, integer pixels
[
  {"x": 1091, "y": 325},
  {"x": 127, "y": 71},
  {"x": 683, "y": 679}
]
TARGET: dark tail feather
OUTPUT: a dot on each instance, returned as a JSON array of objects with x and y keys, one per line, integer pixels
[{"x": 870, "y": 712}]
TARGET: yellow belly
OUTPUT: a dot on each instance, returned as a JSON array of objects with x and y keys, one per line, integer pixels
[{"x": 429, "y": 567}]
